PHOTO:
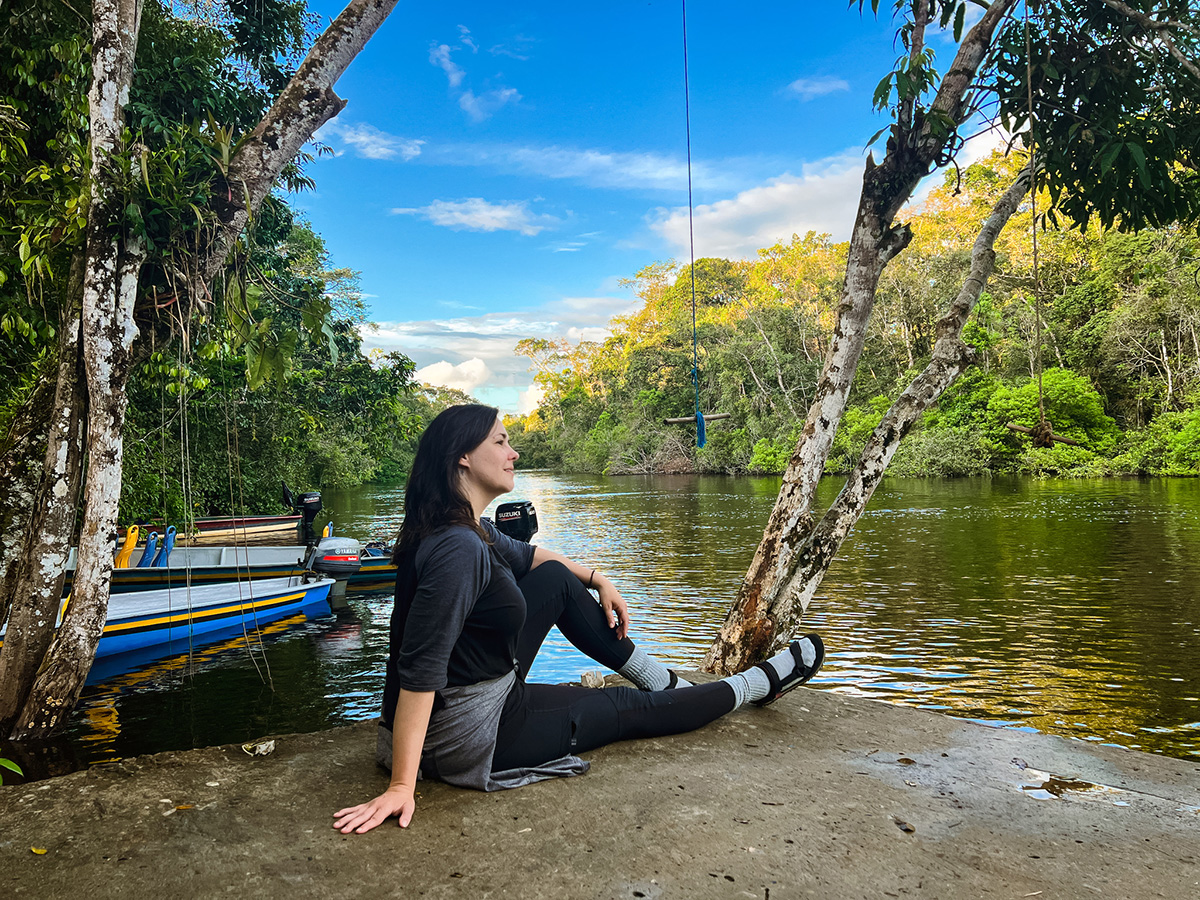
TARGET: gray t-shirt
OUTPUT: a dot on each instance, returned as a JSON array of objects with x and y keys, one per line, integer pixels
[
  {"x": 458, "y": 610},
  {"x": 454, "y": 630}
]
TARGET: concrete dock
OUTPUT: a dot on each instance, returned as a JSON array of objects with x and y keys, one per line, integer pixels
[{"x": 820, "y": 795}]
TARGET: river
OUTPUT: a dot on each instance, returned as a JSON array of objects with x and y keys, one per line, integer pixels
[{"x": 1067, "y": 607}]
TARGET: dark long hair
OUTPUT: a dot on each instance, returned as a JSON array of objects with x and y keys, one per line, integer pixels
[{"x": 432, "y": 498}]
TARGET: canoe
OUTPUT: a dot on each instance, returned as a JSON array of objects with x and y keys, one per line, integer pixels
[
  {"x": 217, "y": 528},
  {"x": 184, "y": 617},
  {"x": 218, "y": 565}
]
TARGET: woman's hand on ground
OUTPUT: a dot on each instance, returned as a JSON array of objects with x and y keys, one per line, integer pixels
[
  {"x": 616, "y": 610},
  {"x": 395, "y": 801}
]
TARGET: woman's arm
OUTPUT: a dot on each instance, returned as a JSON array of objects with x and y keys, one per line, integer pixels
[
  {"x": 615, "y": 607},
  {"x": 408, "y": 737}
]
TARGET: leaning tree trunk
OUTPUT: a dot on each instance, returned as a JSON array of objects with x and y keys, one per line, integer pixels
[
  {"x": 114, "y": 262},
  {"x": 307, "y": 103},
  {"x": 950, "y": 359},
  {"x": 768, "y": 606},
  {"x": 110, "y": 277}
]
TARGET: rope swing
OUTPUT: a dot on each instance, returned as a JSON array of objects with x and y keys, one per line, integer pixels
[
  {"x": 699, "y": 418},
  {"x": 1042, "y": 433}
]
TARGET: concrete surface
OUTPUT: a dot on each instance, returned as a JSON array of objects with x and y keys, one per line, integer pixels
[{"x": 820, "y": 795}]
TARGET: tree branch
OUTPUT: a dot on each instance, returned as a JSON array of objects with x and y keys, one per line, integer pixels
[
  {"x": 307, "y": 103},
  {"x": 1162, "y": 29}
]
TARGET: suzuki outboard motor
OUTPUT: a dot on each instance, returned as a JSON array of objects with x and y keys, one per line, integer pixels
[
  {"x": 517, "y": 519},
  {"x": 308, "y": 505}
]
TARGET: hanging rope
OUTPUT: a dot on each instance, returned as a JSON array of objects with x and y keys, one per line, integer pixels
[
  {"x": 687, "y": 118},
  {"x": 1043, "y": 434}
]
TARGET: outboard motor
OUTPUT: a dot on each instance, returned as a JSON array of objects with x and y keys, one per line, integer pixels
[
  {"x": 518, "y": 520},
  {"x": 308, "y": 505},
  {"x": 337, "y": 558}
]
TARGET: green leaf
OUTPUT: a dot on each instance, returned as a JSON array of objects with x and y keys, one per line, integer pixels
[
  {"x": 1110, "y": 155},
  {"x": 1139, "y": 159},
  {"x": 959, "y": 19}
]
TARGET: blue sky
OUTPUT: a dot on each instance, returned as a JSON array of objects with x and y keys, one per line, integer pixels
[{"x": 499, "y": 168}]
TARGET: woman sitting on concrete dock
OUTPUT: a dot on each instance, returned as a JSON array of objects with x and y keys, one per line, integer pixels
[{"x": 473, "y": 607}]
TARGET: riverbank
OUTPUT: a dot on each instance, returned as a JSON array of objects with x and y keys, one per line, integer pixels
[{"x": 820, "y": 795}]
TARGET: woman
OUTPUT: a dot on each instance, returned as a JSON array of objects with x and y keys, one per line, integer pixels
[{"x": 472, "y": 609}]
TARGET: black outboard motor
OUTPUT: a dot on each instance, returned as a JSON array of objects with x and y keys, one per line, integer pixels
[
  {"x": 308, "y": 505},
  {"x": 518, "y": 520}
]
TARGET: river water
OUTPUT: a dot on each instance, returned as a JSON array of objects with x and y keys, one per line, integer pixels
[{"x": 1067, "y": 607}]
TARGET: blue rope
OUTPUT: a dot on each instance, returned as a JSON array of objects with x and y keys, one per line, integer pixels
[{"x": 687, "y": 115}]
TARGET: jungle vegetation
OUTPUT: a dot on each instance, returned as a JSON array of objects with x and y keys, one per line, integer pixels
[{"x": 1119, "y": 353}]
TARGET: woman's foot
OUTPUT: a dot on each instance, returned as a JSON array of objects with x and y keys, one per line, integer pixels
[{"x": 790, "y": 668}]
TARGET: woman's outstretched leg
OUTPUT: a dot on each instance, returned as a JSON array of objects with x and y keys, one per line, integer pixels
[
  {"x": 553, "y": 596},
  {"x": 556, "y": 720}
]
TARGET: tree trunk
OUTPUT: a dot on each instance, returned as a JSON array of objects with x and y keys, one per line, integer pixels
[
  {"x": 950, "y": 359},
  {"x": 45, "y": 542},
  {"x": 20, "y": 474},
  {"x": 113, "y": 264},
  {"x": 106, "y": 337},
  {"x": 307, "y": 103},
  {"x": 764, "y": 613},
  {"x": 107, "y": 341}
]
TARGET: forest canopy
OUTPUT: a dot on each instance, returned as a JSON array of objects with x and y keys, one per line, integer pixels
[{"x": 1119, "y": 353}]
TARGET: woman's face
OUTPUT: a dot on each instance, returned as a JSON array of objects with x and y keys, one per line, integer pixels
[{"x": 489, "y": 467}]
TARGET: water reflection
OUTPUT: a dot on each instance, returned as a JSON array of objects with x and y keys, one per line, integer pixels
[{"x": 1064, "y": 606}]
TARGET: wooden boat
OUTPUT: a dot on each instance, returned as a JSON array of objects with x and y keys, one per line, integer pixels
[
  {"x": 205, "y": 565},
  {"x": 225, "y": 528},
  {"x": 218, "y": 565},
  {"x": 181, "y": 617}
]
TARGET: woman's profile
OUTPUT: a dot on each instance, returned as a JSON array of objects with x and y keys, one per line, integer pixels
[{"x": 472, "y": 609}]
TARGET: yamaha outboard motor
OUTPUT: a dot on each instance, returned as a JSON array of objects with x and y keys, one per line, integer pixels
[
  {"x": 338, "y": 558},
  {"x": 517, "y": 519}
]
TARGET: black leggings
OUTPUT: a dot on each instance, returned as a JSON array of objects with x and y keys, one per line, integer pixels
[{"x": 545, "y": 721}]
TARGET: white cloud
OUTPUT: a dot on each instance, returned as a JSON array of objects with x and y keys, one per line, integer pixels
[
  {"x": 528, "y": 400},
  {"x": 594, "y": 167},
  {"x": 501, "y": 50},
  {"x": 487, "y": 104},
  {"x": 439, "y": 55},
  {"x": 369, "y": 142},
  {"x": 822, "y": 199},
  {"x": 476, "y": 214},
  {"x": 466, "y": 376},
  {"x": 464, "y": 35},
  {"x": 808, "y": 88},
  {"x": 454, "y": 351}
]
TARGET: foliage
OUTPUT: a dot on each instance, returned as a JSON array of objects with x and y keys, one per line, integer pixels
[
  {"x": 202, "y": 439},
  {"x": 1121, "y": 362},
  {"x": 1115, "y": 114},
  {"x": 10, "y": 765}
]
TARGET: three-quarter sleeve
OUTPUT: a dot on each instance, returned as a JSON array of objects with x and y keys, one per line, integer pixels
[{"x": 452, "y": 569}]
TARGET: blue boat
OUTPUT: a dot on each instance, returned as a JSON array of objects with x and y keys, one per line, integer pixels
[{"x": 188, "y": 617}]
